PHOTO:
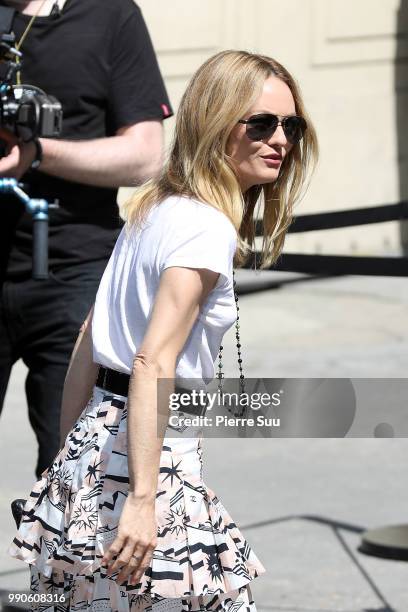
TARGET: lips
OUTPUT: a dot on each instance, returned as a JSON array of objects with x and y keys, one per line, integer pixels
[
  {"x": 274, "y": 157},
  {"x": 272, "y": 161}
]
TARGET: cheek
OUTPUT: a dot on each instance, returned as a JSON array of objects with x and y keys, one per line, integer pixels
[
  {"x": 242, "y": 150},
  {"x": 233, "y": 145}
]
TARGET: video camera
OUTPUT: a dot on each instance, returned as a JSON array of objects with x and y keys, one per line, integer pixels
[
  {"x": 25, "y": 110},
  {"x": 29, "y": 113}
]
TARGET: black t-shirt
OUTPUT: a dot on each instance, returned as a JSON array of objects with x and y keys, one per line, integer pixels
[{"x": 97, "y": 59}]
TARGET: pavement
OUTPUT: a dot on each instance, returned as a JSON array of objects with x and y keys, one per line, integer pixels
[{"x": 302, "y": 503}]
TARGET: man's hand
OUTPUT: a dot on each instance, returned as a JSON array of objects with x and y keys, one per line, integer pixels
[{"x": 19, "y": 156}]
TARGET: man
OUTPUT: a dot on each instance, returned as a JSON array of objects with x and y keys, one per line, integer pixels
[{"x": 96, "y": 58}]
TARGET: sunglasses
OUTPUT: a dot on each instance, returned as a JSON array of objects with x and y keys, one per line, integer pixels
[{"x": 259, "y": 127}]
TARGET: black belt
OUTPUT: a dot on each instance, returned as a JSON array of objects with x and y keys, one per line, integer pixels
[{"x": 118, "y": 383}]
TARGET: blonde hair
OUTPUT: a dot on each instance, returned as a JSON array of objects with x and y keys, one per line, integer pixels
[{"x": 218, "y": 95}]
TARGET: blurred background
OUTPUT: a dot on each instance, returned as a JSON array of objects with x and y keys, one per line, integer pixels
[
  {"x": 349, "y": 58},
  {"x": 301, "y": 503}
]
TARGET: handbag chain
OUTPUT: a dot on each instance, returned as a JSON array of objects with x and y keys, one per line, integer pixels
[{"x": 220, "y": 374}]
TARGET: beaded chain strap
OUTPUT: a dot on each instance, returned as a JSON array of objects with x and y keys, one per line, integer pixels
[{"x": 220, "y": 374}]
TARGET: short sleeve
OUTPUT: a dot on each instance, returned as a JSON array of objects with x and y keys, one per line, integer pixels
[
  {"x": 137, "y": 90},
  {"x": 207, "y": 241}
]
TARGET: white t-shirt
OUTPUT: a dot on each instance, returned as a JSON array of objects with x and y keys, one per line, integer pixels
[{"x": 179, "y": 231}]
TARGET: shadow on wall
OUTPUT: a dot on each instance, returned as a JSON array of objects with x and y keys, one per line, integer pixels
[{"x": 401, "y": 98}]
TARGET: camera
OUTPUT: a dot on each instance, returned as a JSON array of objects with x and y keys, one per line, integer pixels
[
  {"x": 25, "y": 110},
  {"x": 29, "y": 113}
]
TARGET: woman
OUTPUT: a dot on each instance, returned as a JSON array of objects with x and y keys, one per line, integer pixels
[{"x": 122, "y": 519}]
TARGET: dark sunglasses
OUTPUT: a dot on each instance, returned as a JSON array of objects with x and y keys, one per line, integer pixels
[{"x": 259, "y": 127}]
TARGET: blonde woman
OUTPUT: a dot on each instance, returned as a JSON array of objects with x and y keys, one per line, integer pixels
[{"x": 122, "y": 519}]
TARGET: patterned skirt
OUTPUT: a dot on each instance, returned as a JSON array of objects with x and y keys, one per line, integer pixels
[{"x": 201, "y": 561}]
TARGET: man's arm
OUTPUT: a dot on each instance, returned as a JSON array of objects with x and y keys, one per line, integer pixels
[{"x": 127, "y": 159}]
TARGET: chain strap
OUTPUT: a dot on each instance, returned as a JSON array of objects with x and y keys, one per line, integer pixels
[{"x": 220, "y": 374}]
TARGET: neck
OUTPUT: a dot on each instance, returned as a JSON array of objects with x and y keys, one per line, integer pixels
[{"x": 30, "y": 7}]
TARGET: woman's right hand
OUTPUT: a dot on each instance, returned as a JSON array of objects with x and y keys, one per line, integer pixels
[{"x": 137, "y": 535}]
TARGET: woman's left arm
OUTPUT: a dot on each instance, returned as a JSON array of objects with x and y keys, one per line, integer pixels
[{"x": 79, "y": 380}]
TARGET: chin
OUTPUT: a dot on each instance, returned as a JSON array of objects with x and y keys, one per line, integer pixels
[
  {"x": 261, "y": 178},
  {"x": 264, "y": 179}
]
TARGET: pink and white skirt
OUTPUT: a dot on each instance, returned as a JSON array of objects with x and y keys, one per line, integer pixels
[{"x": 201, "y": 561}]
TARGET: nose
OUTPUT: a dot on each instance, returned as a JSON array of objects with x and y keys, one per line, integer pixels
[{"x": 278, "y": 137}]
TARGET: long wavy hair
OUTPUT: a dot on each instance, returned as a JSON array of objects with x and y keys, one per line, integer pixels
[{"x": 218, "y": 95}]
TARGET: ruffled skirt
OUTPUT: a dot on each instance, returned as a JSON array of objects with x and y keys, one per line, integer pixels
[{"x": 201, "y": 561}]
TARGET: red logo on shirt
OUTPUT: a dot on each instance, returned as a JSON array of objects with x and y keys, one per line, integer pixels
[{"x": 165, "y": 110}]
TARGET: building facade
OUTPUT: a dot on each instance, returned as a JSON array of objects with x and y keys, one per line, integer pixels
[{"x": 350, "y": 58}]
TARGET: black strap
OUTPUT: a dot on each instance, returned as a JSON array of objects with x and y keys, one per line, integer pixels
[
  {"x": 113, "y": 381},
  {"x": 118, "y": 383}
]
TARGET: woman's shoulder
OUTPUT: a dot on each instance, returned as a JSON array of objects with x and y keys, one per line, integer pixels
[{"x": 180, "y": 210}]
